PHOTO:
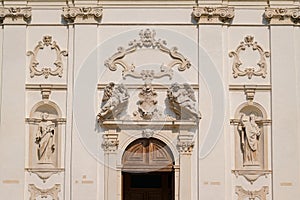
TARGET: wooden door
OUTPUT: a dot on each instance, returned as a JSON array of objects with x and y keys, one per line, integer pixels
[
  {"x": 148, "y": 186},
  {"x": 148, "y": 171}
]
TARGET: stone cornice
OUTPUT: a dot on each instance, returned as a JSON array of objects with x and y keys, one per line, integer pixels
[
  {"x": 82, "y": 14},
  {"x": 282, "y": 15},
  {"x": 15, "y": 14},
  {"x": 223, "y": 14}
]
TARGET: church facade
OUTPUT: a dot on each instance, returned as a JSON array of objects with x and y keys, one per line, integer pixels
[{"x": 144, "y": 100}]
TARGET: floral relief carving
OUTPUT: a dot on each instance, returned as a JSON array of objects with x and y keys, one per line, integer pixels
[
  {"x": 43, "y": 193},
  {"x": 147, "y": 40},
  {"x": 16, "y": 13},
  {"x": 213, "y": 14},
  {"x": 282, "y": 15},
  {"x": 249, "y": 70},
  {"x": 185, "y": 143},
  {"x": 46, "y": 71},
  {"x": 70, "y": 14},
  {"x": 252, "y": 195}
]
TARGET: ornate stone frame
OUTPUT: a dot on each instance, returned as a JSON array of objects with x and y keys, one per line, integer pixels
[
  {"x": 46, "y": 71},
  {"x": 248, "y": 70}
]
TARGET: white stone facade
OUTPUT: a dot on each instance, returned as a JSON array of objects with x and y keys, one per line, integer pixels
[{"x": 217, "y": 82}]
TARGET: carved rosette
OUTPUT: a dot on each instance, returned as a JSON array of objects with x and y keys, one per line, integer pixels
[
  {"x": 43, "y": 193},
  {"x": 16, "y": 13},
  {"x": 147, "y": 40},
  {"x": 282, "y": 15},
  {"x": 46, "y": 71},
  {"x": 110, "y": 143},
  {"x": 251, "y": 195},
  {"x": 71, "y": 14},
  {"x": 249, "y": 71},
  {"x": 213, "y": 14}
]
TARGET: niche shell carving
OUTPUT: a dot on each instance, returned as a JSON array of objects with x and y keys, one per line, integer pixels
[
  {"x": 46, "y": 71},
  {"x": 114, "y": 101},
  {"x": 249, "y": 71}
]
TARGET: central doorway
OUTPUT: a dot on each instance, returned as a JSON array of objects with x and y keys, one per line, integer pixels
[{"x": 148, "y": 172}]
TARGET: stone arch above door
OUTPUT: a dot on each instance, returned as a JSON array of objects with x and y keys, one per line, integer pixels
[{"x": 144, "y": 155}]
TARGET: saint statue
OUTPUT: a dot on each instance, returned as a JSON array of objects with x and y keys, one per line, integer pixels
[
  {"x": 45, "y": 140},
  {"x": 250, "y": 133}
]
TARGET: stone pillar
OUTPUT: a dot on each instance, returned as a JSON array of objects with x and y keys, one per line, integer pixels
[
  {"x": 185, "y": 146},
  {"x": 110, "y": 145}
]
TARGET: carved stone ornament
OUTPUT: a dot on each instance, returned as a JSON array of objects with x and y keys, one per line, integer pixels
[
  {"x": 251, "y": 70},
  {"x": 147, "y": 105},
  {"x": 147, "y": 133},
  {"x": 43, "y": 193},
  {"x": 185, "y": 144},
  {"x": 110, "y": 143},
  {"x": 252, "y": 195},
  {"x": 16, "y": 13},
  {"x": 282, "y": 15},
  {"x": 147, "y": 40},
  {"x": 71, "y": 14},
  {"x": 213, "y": 14},
  {"x": 182, "y": 101},
  {"x": 46, "y": 71},
  {"x": 114, "y": 101},
  {"x": 251, "y": 175}
]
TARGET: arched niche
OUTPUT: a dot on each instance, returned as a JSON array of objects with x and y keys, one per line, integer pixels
[
  {"x": 251, "y": 141},
  {"x": 45, "y": 139},
  {"x": 144, "y": 155}
]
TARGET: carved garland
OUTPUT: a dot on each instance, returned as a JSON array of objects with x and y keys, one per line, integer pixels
[
  {"x": 71, "y": 13},
  {"x": 36, "y": 192},
  {"x": 249, "y": 71},
  {"x": 281, "y": 14},
  {"x": 147, "y": 40},
  {"x": 224, "y": 14},
  {"x": 15, "y": 13},
  {"x": 251, "y": 195},
  {"x": 46, "y": 71}
]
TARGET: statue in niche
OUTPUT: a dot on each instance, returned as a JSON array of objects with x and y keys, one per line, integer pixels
[
  {"x": 147, "y": 105},
  {"x": 182, "y": 100},
  {"x": 45, "y": 140},
  {"x": 250, "y": 134},
  {"x": 114, "y": 101}
]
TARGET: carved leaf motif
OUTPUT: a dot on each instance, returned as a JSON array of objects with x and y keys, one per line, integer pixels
[
  {"x": 46, "y": 71},
  {"x": 249, "y": 71}
]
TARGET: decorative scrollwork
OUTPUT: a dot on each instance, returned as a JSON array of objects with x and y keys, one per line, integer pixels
[
  {"x": 147, "y": 40},
  {"x": 282, "y": 15},
  {"x": 46, "y": 71},
  {"x": 71, "y": 13},
  {"x": 36, "y": 192},
  {"x": 249, "y": 71},
  {"x": 224, "y": 14},
  {"x": 251, "y": 195},
  {"x": 16, "y": 13}
]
